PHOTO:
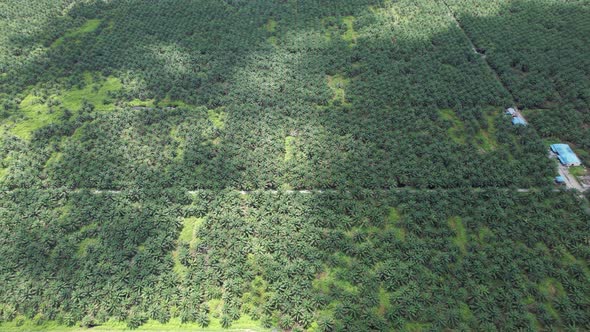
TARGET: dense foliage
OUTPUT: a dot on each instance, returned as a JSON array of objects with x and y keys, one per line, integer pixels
[
  {"x": 294, "y": 95},
  {"x": 539, "y": 49},
  {"x": 128, "y": 129},
  {"x": 457, "y": 260}
]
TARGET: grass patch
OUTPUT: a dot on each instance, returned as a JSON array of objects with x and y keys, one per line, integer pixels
[
  {"x": 87, "y": 27},
  {"x": 290, "y": 147},
  {"x": 577, "y": 170},
  {"x": 217, "y": 117},
  {"x": 186, "y": 236},
  {"x": 416, "y": 326},
  {"x": 342, "y": 27},
  {"x": 271, "y": 25},
  {"x": 457, "y": 129},
  {"x": 486, "y": 137},
  {"x": 38, "y": 114},
  {"x": 350, "y": 35},
  {"x": 460, "y": 239},
  {"x": 83, "y": 246},
  {"x": 551, "y": 289},
  {"x": 465, "y": 312},
  {"x": 150, "y": 103},
  {"x": 328, "y": 280},
  {"x": 384, "y": 302},
  {"x": 484, "y": 234},
  {"x": 338, "y": 85},
  {"x": 569, "y": 259},
  {"x": 190, "y": 225},
  {"x": 245, "y": 323},
  {"x": 393, "y": 218}
]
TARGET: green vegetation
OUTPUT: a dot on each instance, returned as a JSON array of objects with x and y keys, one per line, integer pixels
[
  {"x": 338, "y": 85},
  {"x": 539, "y": 75},
  {"x": 271, "y": 25},
  {"x": 239, "y": 271},
  {"x": 290, "y": 142},
  {"x": 456, "y": 131},
  {"x": 291, "y": 165},
  {"x": 89, "y": 26},
  {"x": 460, "y": 239},
  {"x": 40, "y": 111},
  {"x": 578, "y": 170}
]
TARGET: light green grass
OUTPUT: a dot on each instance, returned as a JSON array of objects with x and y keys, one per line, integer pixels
[
  {"x": 384, "y": 302},
  {"x": 73, "y": 99},
  {"x": 166, "y": 102},
  {"x": 417, "y": 326},
  {"x": 457, "y": 130},
  {"x": 483, "y": 234},
  {"x": 245, "y": 323},
  {"x": 577, "y": 170},
  {"x": 190, "y": 225},
  {"x": 465, "y": 312},
  {"x": 328, "y": 281},
  {"x": 338, "y": 85},
  {"x": 551, "y": 289},
  {"x": 332, "y": 27},
  {"x": 393, "y": 218},
  {"x": 271, "y": 25},
  {"x": 87, "y": 27},
  {"x": 141, "y": 103},
  {"x": 4, "y": 167},
  {"x": 217, "y": 117},
  {"x": 569, "y": 259},
  {"x": 187, "y": 235},
  {"x": 83, "y": 246},
  {"x": 350, "y": 35},
  {"x": 290, "y": 147},
  {"x": 179, "y": 152},
  {"x": 460, "y": 239},
  {"x": 38, "y": 114},
  {"x": 486, "y": 138}
]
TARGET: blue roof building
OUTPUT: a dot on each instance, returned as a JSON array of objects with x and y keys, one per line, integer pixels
[
  {"x": 559, "y": 179},
  {"x": 566, "y": 155},
  {"x": 518, "y": 121}
]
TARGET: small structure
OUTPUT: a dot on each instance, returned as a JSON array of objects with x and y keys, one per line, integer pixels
[
  {"x": 560, "y": 180},
  {"x": 518, "y": 121},
  {"x": 566, "y": 155},
  {"x": 517, "y": 118}
]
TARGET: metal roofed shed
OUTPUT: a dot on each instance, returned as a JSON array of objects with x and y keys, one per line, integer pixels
[
  {"x": 566, "y": 155},
  {"x": 510, "y": 111},
  {"x": 518, "y": 121},
  {"x": 560, "y": 180}
]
